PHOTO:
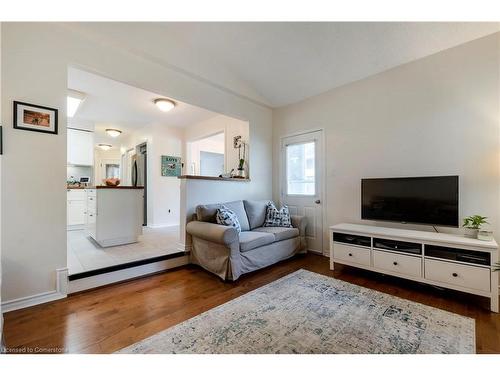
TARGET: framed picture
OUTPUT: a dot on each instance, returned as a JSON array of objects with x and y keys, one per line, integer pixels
[
  {"x": 35, "y": 118},
  {"x": 171, "y": 166}
]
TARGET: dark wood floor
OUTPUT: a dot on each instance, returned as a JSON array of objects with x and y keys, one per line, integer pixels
[{"x": 107, "y": 319}]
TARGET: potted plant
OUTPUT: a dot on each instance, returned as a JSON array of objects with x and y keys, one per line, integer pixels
[
  {"x": 241, "y": 168},
  {"x": 473, "y": 224},
  {"x": 241, "y": 160}
]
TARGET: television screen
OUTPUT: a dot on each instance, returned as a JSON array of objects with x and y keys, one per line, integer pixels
[{"x": 419, "y": 200}]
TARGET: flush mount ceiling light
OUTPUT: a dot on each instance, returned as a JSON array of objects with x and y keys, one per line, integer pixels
[
  {"x": 113, "y": 132},
  {"x": 164, "y": 105},
  {"x": 104, "y": 146},
  {"x": 74, "y": 100}
]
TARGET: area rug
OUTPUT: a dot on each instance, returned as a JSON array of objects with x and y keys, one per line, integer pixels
[{"x": 305, "y": 312}]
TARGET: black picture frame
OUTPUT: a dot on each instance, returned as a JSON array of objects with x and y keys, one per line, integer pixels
[{"x": 27, "y": 127}]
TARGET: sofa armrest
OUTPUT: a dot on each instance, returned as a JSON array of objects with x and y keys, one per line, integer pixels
[
  {"x": 220, "y": 234},
  {"x": 299, "y": 222}
]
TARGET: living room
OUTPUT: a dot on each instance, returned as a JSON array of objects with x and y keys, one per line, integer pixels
[{"x": 357, "y": 215}]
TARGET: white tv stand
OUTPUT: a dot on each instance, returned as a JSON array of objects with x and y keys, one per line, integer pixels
[{"x": 439, "y": 259}]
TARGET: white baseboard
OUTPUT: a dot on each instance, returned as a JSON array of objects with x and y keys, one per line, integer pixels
[
  {"x": 125, "y": 274},
  {"x": 154, "y": 226},
  {"x": 37, "y": 299},
  {"x": 21, "y": 303}
]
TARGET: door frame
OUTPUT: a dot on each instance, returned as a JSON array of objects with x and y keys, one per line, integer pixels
[{"x": 282, "y": 172}]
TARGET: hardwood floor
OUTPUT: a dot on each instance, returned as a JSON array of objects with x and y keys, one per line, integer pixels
[{"x": 110, "y": 318}]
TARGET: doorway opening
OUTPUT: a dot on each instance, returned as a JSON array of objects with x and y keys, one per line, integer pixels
[
  {"x": 124, "y": 157},
  {"x": 206, "y": 156}
]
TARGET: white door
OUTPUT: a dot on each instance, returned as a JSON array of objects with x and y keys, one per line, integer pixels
[{"x": 302, "y": 182}]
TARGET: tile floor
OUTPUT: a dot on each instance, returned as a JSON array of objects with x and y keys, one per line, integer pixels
[{"x": 84, "y": 254}]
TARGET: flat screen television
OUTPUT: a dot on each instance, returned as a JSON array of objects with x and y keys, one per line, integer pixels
[{"x": 418, "y": 200}]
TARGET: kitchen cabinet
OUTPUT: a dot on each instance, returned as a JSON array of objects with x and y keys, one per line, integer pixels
[
  {"x": 114, "y": 214},
  {"x": 76, "y": 208},
  {"x": 80, "y": 147}
]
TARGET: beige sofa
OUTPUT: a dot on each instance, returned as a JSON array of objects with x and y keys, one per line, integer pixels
[{"x": 228, "y": 254}]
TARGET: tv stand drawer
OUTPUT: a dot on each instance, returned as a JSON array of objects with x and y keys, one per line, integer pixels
[
  {"x": 351, "y": 254},
  {"x": 458, "y": 274},
  {"x": 402, "y": 264}
]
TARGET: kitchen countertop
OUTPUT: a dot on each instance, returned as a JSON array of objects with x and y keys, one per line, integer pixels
[{"x": 119, "y": 187}]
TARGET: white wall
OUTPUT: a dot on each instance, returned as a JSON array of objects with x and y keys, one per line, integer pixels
[
  {"x": 435, "y": 116},
  {"x": 165, "y": 190},
  {"x": 231, "y": 128},
  {"x": 33, "y": 183}
]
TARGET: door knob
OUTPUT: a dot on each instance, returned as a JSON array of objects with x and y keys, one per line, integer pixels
[{"x": 317, "y": 201}]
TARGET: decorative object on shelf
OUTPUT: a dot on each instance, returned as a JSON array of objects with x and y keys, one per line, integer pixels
[
  {"x": 474, "y": 223},
  {"x": 237, "y": 141},
  {"x": 485, "y": 235},
  {"x": 35, "y": 118},
  {"x": 239, "y": 144},
  {"x": 227, "y": 175},
  {"x": 112, "y": 181},
  {"x": 171, "y": 166}
]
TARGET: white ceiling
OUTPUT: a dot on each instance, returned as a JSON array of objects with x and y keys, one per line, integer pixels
[
  {"x": 112, "y": 104},
  {"x": 281, "y": 63}
]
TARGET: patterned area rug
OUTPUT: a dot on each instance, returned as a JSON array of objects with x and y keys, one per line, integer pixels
[{"x": 305, "y": 312}]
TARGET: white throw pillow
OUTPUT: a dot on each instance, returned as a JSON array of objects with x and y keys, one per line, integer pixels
[
  {"x": 225, "y": 216},
  {"x": 277, "y": 218}
]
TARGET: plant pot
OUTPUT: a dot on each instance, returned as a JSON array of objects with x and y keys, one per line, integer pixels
[
  {"x": 241, "y": 173},
  {"x": 471, "y": 233}
]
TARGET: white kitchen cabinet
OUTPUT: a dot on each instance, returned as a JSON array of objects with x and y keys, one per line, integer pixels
[
  {"x": 114, "y": 214},
  {"x": 80, "y": 147},
  {"x": 76, "y": 208}
]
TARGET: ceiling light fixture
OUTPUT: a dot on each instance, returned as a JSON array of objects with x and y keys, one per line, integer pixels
[
  {"x": 104, "y": 146},
  {"x": 74, "y": 100},
  {"x": 113, "y": 132},
  {"x": 164, "y": 105}
]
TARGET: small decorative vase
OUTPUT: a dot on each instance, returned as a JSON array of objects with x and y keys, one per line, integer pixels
[
  {"x": 241, "y": 173},
  {"x": 485, "y": 235}
]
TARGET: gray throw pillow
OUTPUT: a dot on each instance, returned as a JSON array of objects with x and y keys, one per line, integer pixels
[
  {"x": 277, "y": 218},
  {"x": 225, "y": 216}
]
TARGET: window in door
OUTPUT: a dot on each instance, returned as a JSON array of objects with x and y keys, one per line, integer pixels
[{"x": 301, "y": 169}]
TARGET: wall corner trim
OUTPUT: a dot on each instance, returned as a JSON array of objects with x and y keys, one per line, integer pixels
[
  {"x": 183, "y": 247},
  {"x": 62, "y": 281}
]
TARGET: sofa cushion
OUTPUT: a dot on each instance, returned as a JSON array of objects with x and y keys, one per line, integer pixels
[
  {"x": 207, "y": 212},
  {"x": 252, "y": 240},
  {"x": 280, "y": 233},
  {"x": 256, "y": 212}
]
